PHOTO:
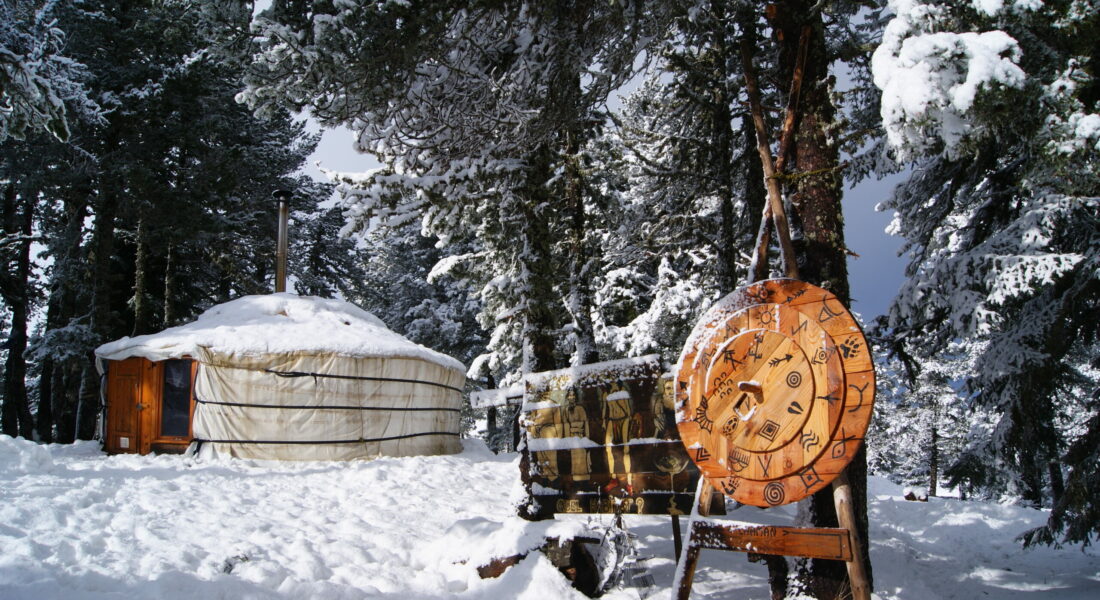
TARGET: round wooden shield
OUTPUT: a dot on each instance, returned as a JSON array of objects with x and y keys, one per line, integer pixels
[{"x": 774, "y": 391}]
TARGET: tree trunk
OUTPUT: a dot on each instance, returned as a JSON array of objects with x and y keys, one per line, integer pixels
[
  {"x": 103, "y": 241},
  {"x": 580, "y": 294},
  {"x": 141, "y": 301},
  {"x": 66, "y": 400},
  {"x": 16, "y": 419},
  {"x": 169, "y": 287},
  {"x": 755, "y": 192},
  {"x": 1057, "y": 482},
  {"x": 44, "y": 418},
  {"x": 539, "y": 298},
  {"x": 815, "y": 195},
  {"x": 61, "y": 311},
  {"x": 721, "y": 145},
  {"x": 934, "y": 460}
]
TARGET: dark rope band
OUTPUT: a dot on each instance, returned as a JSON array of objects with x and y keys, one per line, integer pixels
[
  {"x": 359, "y": 377},
  {"x": 319, "y": 442},
  {"x": 337, "y": 407}
]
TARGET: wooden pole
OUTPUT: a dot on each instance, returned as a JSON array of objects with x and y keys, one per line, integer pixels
[
  {"x": 689, "y": 556},
  {"x": 846, "y": 517},
  {"x": 677, "y": 540},
  {"x": 786, "y": 138}
]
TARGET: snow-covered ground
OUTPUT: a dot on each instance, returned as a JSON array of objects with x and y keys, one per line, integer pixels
[{"x": 75, "y": 523}]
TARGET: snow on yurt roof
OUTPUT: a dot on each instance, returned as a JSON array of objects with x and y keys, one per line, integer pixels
[{"x": 276, "y": 323}]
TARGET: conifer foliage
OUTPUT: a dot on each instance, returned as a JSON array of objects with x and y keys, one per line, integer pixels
[
  {"x": 995, "y": 106},
  {"x": 520, "y": 221},
  {"x": 149, "y": 206}
]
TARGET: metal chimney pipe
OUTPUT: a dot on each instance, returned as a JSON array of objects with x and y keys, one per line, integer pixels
[{"x": 283, "y": 196}]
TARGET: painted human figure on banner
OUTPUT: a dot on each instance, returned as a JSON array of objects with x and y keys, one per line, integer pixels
[
  {"x": 617, "y": 415},
  {"x": 575, "y": 418},
  {"x": 601, "y": 438},
  {"x": 550, "y": 425}
]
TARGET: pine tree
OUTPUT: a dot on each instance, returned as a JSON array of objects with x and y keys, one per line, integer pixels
[
  {"x": 166, "y": 173},
  {"x": 37, "y": 80},
  {"x": 995, "y": 107},
  {"x": 480, "y": 121}
]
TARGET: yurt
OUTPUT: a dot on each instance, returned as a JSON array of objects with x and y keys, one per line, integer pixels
[{"x": 280, "y": 377}]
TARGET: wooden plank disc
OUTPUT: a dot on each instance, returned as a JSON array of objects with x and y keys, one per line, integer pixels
[{"x": 774, "y": 391}]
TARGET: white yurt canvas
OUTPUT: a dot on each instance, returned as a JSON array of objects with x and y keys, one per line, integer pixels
[{"x": 285, "y": 377}]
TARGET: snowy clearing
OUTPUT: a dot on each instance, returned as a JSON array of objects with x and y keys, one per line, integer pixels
[{"x": 75, "y": 523}]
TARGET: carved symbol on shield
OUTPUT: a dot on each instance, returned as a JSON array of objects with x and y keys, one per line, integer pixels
[
  {"x": 730, "y": 484},
  {"x": 703, "y": 420},
  {"x": 701, "y": 454},
  {"x": 830, "y": 398},
  {"x": 769, "y": 430},
  {"x": 764, "y": 465},
  {"x": 794, "y": 379},
  {"x": 727, "y": 354},
  {"x": 850, "y": 347},
  {"x": 840, "y": 448},
  {"x": 809, "y": 439},
  {"x": 860, "y": 390},
  {"x": 741, "y": 406},
  {"x": 738, "y": 460},
  {"x": 809, "y": 477},
  {"x": 774, "y": 493},
  {"x": 796, "y": 295},
  {"x": 826, "y": 313},
  {"x": 795, "y": 408},
  {"x": 822, "y": 355},
  {"x": 730, "y": 427},
  {"x": 775, "y": 362}
]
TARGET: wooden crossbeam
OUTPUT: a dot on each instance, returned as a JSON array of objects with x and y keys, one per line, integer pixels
[
  {"x": 831, "y": 544},
  {"x": 824, "y": 543}
]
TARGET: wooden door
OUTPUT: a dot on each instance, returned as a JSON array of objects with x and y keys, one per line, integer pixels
[{"x": 124, "y": 406}]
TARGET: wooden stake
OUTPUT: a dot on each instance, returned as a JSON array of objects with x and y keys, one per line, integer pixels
[
  {"x": 846, "y": 516},
  {"x": 677, "y": 541},
  {"x": 786, "y": 138},
  {"x": 689, "y": 556}
]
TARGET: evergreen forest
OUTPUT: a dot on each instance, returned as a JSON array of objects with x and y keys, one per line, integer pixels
[{"x": 521, "y": 222}]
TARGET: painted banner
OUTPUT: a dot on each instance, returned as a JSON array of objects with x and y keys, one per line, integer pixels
[{"x": 603, "y": 436}]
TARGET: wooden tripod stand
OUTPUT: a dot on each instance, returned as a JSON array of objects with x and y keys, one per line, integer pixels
[{"x": 827, "y": 543}]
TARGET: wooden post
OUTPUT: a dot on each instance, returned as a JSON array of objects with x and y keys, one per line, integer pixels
[
  {"x": 689, "y": 556},
  {"x": 846, "y": 516},
  {"x": 774, "y": 208},
  {"x": 677, "y": 540}
]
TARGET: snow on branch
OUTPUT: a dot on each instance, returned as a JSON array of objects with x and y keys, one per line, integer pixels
[{"x": 931, "y": 79}]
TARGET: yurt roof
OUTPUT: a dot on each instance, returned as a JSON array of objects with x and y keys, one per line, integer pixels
[{"x": 276, "y": 324}]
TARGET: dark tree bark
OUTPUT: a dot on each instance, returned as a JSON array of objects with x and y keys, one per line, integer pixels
[
  {"x": 17, "y": 219},
  {"x": 169, "y": 287},
  {"x": 814, "y": 187},
  {"x": 142, "y": 303},
  {"x": 55, "y": 391},
  {"x": 103, "y": 243},
  {"x": 721, "y": 144},
  {"x": 580, "y": 294},
  {"x": 934, "y": 461},
  {"x": 43, "y": 422},
  {"x": 539, "y": 322}
]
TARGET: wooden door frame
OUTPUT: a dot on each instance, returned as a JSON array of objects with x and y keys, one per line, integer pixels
[{"x": 157, "y": 406}]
